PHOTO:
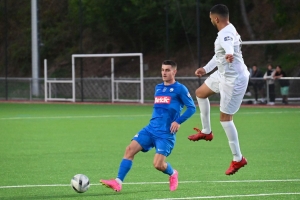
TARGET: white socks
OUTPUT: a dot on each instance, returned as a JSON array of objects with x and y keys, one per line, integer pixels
[
  {"x": 233, "y": 139},
  {"x": 119, "y": 181},
  {"x": 204, "y": 107},
  {"x": 228, "y": 126}
]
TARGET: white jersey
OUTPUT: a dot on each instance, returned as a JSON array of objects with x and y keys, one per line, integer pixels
[{"x": 228, "y": 42}]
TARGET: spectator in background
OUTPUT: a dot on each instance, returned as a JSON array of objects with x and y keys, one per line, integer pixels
[
  {"x": 284, "y": 84},
  {"x": 258, "y": 85},
  {"x": 270, "y": 83}
]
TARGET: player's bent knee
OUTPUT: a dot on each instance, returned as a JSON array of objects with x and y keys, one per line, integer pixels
[
  {"x": 198, "y": 93},
  {"x": 129, "y": 153},
  {"x": 225, "y": 117},
  {"x": 159, "y": 166},
  {"x": 203, "y": 91}
]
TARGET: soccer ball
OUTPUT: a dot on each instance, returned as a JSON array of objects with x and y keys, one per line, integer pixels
[{"x": 80, "y": 183}]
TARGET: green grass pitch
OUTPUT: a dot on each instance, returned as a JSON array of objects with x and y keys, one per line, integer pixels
[{"x": 42, "y": 146}]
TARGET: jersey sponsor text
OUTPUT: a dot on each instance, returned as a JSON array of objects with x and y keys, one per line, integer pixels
[{"x": 162, "y": 100}]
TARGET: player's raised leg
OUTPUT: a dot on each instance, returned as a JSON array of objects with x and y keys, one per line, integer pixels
[
  {"x": 116, "y": 184},
  {"x": 202, "y": 94}
]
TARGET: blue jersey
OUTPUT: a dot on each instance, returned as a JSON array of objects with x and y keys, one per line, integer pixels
[{"x": 169, "y": 101}]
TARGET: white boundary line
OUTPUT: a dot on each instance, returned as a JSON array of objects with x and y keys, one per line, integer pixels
[
  {"x": 71, "y": 117},
  {"x": 231, "y": 196},
  {"x": 150, "y": 183},
  {"x": 125, "y": 116}
]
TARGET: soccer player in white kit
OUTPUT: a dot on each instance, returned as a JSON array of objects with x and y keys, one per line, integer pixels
[{"x": 230, "y": 80}]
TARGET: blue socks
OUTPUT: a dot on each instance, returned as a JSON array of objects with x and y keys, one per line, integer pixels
[
  {"x": 124, "y": 168},
  {"x": 169, "y": 170}
]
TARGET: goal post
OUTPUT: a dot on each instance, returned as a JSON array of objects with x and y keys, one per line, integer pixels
[
  {"x": 114, "y": 83},
  {"x": 48, "y": 86}
]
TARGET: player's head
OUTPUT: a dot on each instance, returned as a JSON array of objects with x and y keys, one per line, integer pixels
[
  {"x": 219, "y": 13},
  {"x": 168, "y": 71},
  {"x": 254, "y": 67},
  {"x": 170, "y": 62}
]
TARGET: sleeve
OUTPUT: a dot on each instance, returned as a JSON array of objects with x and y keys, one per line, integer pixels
[
  {"x": 210, "y": 65},
  {"x": 188, "y": 102},
  {"x": 268, "y": 77},
  {"x": 273, "y": 73},
  {"x": 155, "y": 89},
  {"x": 226, "y": 40}
]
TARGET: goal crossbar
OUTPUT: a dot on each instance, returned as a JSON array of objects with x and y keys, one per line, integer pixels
[{"x": 270, "y": 42}]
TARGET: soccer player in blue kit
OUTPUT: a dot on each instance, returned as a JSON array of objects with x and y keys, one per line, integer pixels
[{"x": 169, "y": 99}]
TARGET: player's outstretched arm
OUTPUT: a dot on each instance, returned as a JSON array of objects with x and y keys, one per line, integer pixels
[
  {"x": 210, "y": 65},
  {"x": 200, "y": 72}
]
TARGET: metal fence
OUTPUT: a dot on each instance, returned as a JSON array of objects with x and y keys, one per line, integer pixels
[{"x": 99, "y": 89}]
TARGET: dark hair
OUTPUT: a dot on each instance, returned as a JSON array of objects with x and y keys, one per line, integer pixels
[
  {"x": 278, "y": 66},
  {"x": 170, "y": 62},
  {"x": 220, "y": 9}
]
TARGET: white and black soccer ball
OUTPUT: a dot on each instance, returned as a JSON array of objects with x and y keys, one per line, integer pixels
[{"x": 80, "y": 183}]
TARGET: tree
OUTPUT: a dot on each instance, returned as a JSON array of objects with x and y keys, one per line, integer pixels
[{"x": 245, "y": 19}]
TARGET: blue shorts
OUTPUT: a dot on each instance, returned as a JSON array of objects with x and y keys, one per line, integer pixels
[{"x": 147, "y": 140}]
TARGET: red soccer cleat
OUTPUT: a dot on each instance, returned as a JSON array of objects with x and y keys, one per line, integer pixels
[
  {"x": 201, "y": 136},
  {"x": 235, "y": 166}
]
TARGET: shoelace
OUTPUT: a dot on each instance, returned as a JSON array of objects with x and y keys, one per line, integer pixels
[
  {"x": 234, "y": 164},
  {"x": 196, "y": 129}
]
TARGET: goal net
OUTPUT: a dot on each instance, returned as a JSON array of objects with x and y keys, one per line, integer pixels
[
  {"x": 130, "y": 89},
  {"x": 117, "y": 84}
]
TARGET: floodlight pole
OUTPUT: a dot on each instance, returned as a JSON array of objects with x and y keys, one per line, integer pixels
[
  {"x": 35, "y": 52},
  {"x": 5, "y": 52},
  {"x": 167, "y": 29},
  {"x": 198, "y": 36},
  {"x": 198, "y": 33},
  {"x": 81, "y": 51}
]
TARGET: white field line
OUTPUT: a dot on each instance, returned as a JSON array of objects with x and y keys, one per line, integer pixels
[
  {"x": 126, "y": 116},
  {"x": 73, "y": 117},
  {"x": 150, "y": 183},
  {"x": 231, "y": 196}
]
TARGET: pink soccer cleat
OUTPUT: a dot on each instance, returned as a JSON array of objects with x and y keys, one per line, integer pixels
[
  {"x": 113, "y": 184},
  {"x": 174, "y": 181}
]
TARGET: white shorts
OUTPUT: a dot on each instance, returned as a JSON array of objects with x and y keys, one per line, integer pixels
[{"x": 232, "y": 90}]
